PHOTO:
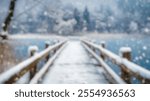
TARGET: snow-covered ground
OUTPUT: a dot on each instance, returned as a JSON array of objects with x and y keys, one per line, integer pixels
[{"x": 36, "y": 36}]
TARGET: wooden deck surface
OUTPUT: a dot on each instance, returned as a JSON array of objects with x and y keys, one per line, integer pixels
[{"x": 75, "y": 66}]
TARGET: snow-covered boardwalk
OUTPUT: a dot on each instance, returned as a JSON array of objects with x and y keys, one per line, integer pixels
[
  {"x": 75, "y": 66},
  {"x": 78, "y": 62}
]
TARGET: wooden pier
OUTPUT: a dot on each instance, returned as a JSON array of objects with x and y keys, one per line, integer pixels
[
  {"x": 75, "y": 66},
  {"x": 76, "y": 62}
]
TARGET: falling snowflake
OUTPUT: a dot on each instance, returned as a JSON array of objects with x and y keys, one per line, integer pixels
[
  {"x": 144, "y": 47},
  {"x": 147, "y": 61}
]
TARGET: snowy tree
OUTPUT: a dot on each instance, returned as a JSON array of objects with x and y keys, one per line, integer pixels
[
  {"x": 133, "y": 27},
  {"x": 65, "y": 27},
  {"x": 77, "y": 16},
  {"x": 134, "y": 11},
  {"x": 86, "y": 18}
]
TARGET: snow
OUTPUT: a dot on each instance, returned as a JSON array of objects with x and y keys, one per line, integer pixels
[
  {"x": 144, "y": 47},
  {"x": 3, "y": 25},
  {"x": 65, "y": 27},
  {"x": 103, "y": 42},
  {"x": 137, "y": 69},
  {"x": 136, "y": 58},
  {"x": 4, "y": 33},
  {"x": 111, "y": 75},
  {"x": 38, "y": 77},
  {"x": 133, "y": 26},
  {"x": 117, "y": 18},
  {"x": 109, "y": 16},
  {"x": 146, "y": 30},
  {"x": 47, "y": 42},
  {"x": 131, "y": 66},
  {"x": 125, "y": 49},
  {"x": 18, "y": 68},
  {"x": 74, "y": 66},
  {"x": 36, "y": 36},
  {"x": 45, "y": 13},
  {"x": 143, "y": 54},
  {"x": 32, "y": 49},
  {"x": 147, "y": 61}
]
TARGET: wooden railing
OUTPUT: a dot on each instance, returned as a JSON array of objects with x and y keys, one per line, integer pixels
[
  {"x": 40, "y": 74},
  {"x": 30, "y": 65},
  {"x": 128, "y": 69}
]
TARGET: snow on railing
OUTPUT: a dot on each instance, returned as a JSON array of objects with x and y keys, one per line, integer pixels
[
  {"x": 28, "y": 65},
  {"x": 114, "y": 78},
  {"x": 128, "y": 68},
  {"x": 39, "y": 75}
]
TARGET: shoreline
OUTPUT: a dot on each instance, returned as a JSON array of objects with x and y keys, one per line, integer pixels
[{"x": 39, "y": 36}]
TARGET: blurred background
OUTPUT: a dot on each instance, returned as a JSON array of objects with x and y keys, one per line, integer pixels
[{"x": 68, "y": 16}]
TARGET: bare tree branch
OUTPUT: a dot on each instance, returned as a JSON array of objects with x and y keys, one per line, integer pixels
[{"x": 10, "y": 15}]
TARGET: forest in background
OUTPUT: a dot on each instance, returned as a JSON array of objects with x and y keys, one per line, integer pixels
[{"x": 66, "y": 17}]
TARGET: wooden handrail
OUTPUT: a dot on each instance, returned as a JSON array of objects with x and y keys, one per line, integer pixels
[
  {"x": 44, "y": 69},
  {"x": 12, "y": 75},
  {"x": 114, "y": 77},
  {"x": 132, "y": 68}
]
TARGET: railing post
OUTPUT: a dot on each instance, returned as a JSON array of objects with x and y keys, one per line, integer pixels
[
  {"x": 32, "y": 51},
  {"x": 55, "y": 42},
  {"x": 47, "y": 44},
  {"x": 103, "y": 44},
  {"x": 125, "y": 52}
]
